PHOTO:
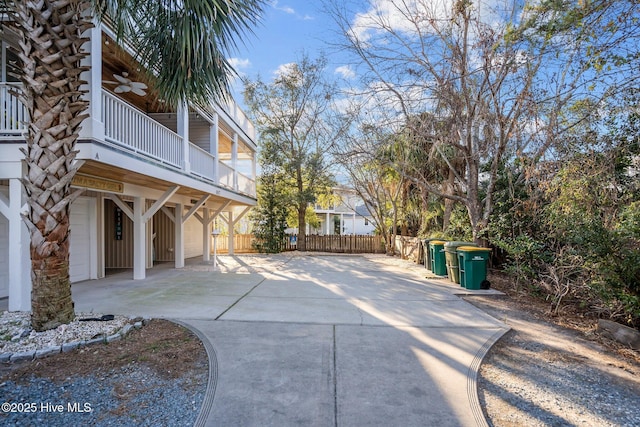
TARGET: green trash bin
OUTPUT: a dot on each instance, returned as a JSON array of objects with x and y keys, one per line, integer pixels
[
  {"x": 427, "y": 253},
  {"x": 451, "y": 257},
  {"x": 438, "y": 261},
  {"x": 473, "y": 266}
]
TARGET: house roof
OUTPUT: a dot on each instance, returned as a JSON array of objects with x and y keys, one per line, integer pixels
[{"x": 362, "y": 211}]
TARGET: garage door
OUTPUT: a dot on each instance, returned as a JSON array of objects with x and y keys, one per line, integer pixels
[
  {"x": 4, "y": 257},
  {"x": 80, "y": 245}
]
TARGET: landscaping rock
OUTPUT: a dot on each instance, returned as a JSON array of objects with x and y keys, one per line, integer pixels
[{"x": 621, "y": 333}]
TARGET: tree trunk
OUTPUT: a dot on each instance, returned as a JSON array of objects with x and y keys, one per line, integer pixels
[
  {"x": 51, "y": 302},
  {"x": 51, "y": 51},
  {"x": 394, "y": 229},
  {"x": 302, "y": 228},
  {"x": 448, "y": 203}
]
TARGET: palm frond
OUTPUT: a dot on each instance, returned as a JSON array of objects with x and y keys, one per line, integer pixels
[{"x": 184, "y": 44}]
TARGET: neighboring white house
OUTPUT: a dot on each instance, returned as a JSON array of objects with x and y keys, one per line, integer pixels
[
  {"x": 155, "y": 178},
  {"x": 348, "y": 216}
]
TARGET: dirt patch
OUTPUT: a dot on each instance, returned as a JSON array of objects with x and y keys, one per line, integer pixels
[
  {"x": 169, "y": 349},
  {"x": 523, "y": 306}
]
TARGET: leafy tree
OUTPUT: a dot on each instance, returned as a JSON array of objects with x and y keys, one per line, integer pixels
[
  {"x": 377, "y": 183},
  {"x": 293, "y": 116},
  {"x": 570, "y": 230},
  {"x": 181, "y": 43},
  {"x": 270, "y": 215},
  {"x": 474, "y": 85}
]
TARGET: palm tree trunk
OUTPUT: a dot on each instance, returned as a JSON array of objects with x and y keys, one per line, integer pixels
[{"x": 51, "y": 51}]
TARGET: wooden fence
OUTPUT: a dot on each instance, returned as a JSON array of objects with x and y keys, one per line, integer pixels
[
  {"x": 339, "y": 244},
  {"x": 243, "y": 243},
  {"x": 410, "y": 248}
]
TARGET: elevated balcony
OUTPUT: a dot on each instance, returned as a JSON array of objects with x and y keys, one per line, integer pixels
[
  {"x": 13, "y": 115},
  {"x": 129, "y": 129}
]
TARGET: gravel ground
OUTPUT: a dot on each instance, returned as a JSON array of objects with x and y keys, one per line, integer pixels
[
  {"x": 156, "y": 376},
  {"x": 541, "y": 374},
  {"x": 142, "y": 398}
]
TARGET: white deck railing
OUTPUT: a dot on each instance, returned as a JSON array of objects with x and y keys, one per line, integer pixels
[
  {"x": 239, "y": 117},
  {"x": 14, "y": 116},
  {"x": 246, "y": 185},
  {"x": 131, "y": 128},
  {"x": 225, "y": 175},
  {"x": 202, "y": 162}
]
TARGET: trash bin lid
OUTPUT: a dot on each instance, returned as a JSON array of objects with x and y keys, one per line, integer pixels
[
  {"x": 473, "y": 248},
  {"x": 457, "y": 244},
  {"x": 437, "y": 242},
  {"x": 452, "y": 246}
]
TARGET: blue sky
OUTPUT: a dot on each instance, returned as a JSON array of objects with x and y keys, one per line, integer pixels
[{"x": 289, "y": 27}]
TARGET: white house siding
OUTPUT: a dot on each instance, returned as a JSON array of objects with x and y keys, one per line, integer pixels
[
  {"x": 360, "y": 226},
  {"x": 199, "y": 131},
  {"x": 167, "y": 120},
  {"x": 80, "y": 239},
  {"x": 192, "y": 238}
]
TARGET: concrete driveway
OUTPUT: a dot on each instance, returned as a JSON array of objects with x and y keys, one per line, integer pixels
[{"x": 299, "y": 339}]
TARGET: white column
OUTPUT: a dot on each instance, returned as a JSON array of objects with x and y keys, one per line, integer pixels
[
  {"x": 139, "y": 239},
  {"x": 214, "y": 144},
  {"x": 93, "y": 238},
  {"x": 353, "y": 222},
  {"x": 328, "y": 231},
  {"x": 341, "y": 223},
  {"x": 254, "y": 173},
  {"x": 178, "y": 246},
  {"x": 254, "y": 162},
  {"x": 234, "y": 160},
  {"x": 19, "y": 259},
  {"x": 230, "y": 227},
  {"x": 93, "y": 127},
  {"x": 183, "y": 130},
  {"x": 149, "y": 241},
  {"x": 100, "y": 234},
  {"x": 206, "y": 235}
]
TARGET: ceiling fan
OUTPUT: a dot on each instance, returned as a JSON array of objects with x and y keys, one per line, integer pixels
[{"x": 125, "y": 84}]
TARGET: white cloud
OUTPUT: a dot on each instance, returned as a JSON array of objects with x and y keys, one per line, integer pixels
[
  {"x": 285, "y": 9},
  {"x": 412, "y": 17},
  {"x": 240, "y": 63},
  {"x": 345, "y": 71},
  {"x": 400, "y": 16},
  {"x": 291, "y": 11},
  {"x": 285, "y": 69}
]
